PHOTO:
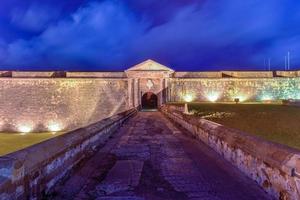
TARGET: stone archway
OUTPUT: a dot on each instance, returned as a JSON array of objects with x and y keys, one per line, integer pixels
[{"x": 149, "y": 101}]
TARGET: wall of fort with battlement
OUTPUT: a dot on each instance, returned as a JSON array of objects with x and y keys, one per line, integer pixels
[
  {"x": 57, "y": 104},
  {"x": 63, "y": 101},
  {"x": 227, "y": 89},
  {"x": 199, "y": 74},
  {"x": 237, "y": 74}
]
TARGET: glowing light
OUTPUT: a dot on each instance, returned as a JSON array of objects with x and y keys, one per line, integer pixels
[
  {"x": 266, "y": 98},
  {"x": 24, "y": 128},
  {"x": 188, "y": 98},
  {"x": 213, "y": 97},
  {"x": 292, "y": 96},
  {"x": 54, "y": 127},
  {"x": 241, "y": 98}
]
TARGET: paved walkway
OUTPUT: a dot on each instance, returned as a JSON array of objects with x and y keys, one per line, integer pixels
[{"x": 149, "y": 158}]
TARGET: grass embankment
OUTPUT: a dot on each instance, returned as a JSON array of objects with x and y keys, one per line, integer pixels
[
  {"x": 10, "y": 142},
  {"x": 272, "y": 122}
]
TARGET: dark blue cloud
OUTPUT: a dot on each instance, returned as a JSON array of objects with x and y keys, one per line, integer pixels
[
  {"x": 113, "y": 35},
  {"x": 34, "y": 19}
]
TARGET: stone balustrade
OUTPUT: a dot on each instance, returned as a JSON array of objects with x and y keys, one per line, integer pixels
[
  {"x": 32, "y": 172},
  {"x": 275, "y": 167}
]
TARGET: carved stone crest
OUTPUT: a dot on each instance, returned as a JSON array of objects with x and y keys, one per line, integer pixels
[{"x": 150, "y": 84}]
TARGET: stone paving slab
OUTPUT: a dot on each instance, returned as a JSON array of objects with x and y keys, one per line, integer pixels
[
  {"x": 124, "y": 175},
  {"x": 120, "y": 198},
  {"x": 133, "y": 151}
]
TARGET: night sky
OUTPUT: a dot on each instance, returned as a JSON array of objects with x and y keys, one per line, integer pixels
[{"x": 194, "y": 35}]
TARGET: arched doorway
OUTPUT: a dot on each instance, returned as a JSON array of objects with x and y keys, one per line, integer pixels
[{"x": 149, "y": 101}]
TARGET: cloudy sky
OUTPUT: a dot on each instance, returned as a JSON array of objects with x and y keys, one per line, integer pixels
[{"x": 116, "y": 34}]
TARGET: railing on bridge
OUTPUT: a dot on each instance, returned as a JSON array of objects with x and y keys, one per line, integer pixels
[
  {"x": 32, "y": 172},
  {"x": 275, "y": 167}
]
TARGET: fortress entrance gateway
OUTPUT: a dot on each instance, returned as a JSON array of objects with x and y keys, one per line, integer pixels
[
  {"x": 149, "y": 101},
  {"x": 148, "y": 84}
]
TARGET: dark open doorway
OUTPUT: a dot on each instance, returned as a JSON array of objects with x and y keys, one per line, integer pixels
[{"x": 149, "y": 101}]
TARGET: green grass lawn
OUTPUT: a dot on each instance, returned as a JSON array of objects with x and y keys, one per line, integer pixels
[
  {"x": 273, "y": 122},
  {"x": 10, "y": 142}
]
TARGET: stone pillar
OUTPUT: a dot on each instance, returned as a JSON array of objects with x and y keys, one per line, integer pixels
[
  {"x": 139, "y": 96},
  {"x": 136, "y": 93},
  {"x": 167, "y": 90},
  {"x": 130, "y": 93},
  {"x": 161, "y": 95}
]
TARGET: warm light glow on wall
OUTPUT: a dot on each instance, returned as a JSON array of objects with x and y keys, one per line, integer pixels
[
  {"x": 266, "y": 98},
  {"x": 24, "y": 128},
  {"x": 241, "y": 98},
  {"x": 295, "y": 96},
  {"x": 188, "y": 98},
  {"x": 54, "y": 127},
  {"x": 213, "y": 96}
]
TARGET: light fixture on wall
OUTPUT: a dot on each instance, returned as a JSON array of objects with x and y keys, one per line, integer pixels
[
  {"x": 241, "y": 98},
  {"x": 267, "y": 99},
  {"x": 213, "y": 96},
  {"x": 54, "y": 127},
  {"x": 24, "y": 128},
  {"x": 188, "y": 98}
]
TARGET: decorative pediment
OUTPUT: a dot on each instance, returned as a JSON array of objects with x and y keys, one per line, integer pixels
[{"x": 150, "y": 65}]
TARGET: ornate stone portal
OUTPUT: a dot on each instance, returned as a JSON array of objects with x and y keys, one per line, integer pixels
[{"x": 148, "y": 77}]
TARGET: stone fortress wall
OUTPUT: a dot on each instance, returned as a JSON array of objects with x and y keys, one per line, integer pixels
[
  {"x": 237, "y": 74},
  {"x": 228, "y": 85},
  {"x": 54, "y": 104},
  {"x": 54, "y": 100},
  {"x": 227, "y": 89}
]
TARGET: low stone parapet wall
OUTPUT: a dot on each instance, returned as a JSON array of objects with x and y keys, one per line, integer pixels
[
  {"x": 275, "y": 167},
  {"x": 96, "y": 75},
  {"x": 37, "y": 74},
  {"x": 32, "y": 172},
  {"x": 198, "y": 74},
  {"x": 288, "y": 73},
  {"x": 291, "y": 102},
  {"x": 247, "y": 74}
]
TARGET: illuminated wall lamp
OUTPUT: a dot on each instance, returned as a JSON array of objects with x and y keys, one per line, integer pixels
[
  {"x": 267, "y": 99},
  {"x": 24, "y": 129},
  {"x": 54, "y": 127},
  {"x": 213, "y": 97},
  {"x": 240, "y": 98}
]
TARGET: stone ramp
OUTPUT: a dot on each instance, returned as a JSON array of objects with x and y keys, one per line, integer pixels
[{"x": 150, "y": 158}]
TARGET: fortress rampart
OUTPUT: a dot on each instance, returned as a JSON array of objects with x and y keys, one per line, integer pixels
[
  {"x": 227, "y": 89},
  {"x": 179, "y": 74},
  {"x": 55, "y": 101},
  {"x": 48, "y": 104}
]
